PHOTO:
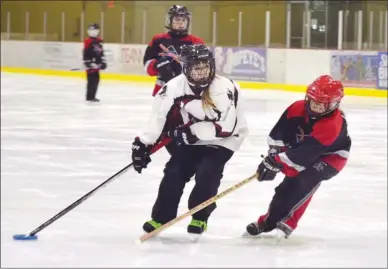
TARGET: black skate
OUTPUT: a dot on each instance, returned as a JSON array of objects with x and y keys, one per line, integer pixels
[
  {"x": 254, "y": 229},
  {"x": 151, "y": 225},
  {"x": 94, "y": 100},
  {"x": 196, "y": 228},
  {"x": 283, "y": 231}
]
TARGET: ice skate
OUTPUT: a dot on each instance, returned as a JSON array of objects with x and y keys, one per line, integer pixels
[
  {"x": 283, "y": 231},
  {"x": 196, "y": 228},
  {"x": 151, "y": 225},
  {"x": 254, "y": 229},
  {"x": 94, "y": 100}
]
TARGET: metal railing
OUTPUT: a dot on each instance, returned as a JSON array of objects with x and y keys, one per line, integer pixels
[{"x": 355, "y": 30}]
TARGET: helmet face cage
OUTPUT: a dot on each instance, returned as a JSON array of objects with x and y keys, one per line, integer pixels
[
  {"x": 93, "y": 30},
  {"x": 199, "y": 73},
  {"x": 198, "y": 65},
  {"x": 178, "y": 20},
  {"x": 320, "y": 107},
  {"x": 323, "y": 99}
]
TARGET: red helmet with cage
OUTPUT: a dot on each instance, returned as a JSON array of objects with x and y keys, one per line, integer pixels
[{"x": 323, "y": 96}]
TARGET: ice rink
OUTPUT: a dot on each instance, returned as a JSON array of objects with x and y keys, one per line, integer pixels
[{"x": 55, "y": 148}]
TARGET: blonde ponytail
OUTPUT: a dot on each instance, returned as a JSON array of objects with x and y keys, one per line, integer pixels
[{"x": 207, "y": 101}]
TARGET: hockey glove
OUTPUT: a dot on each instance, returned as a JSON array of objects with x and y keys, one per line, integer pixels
[
  {"x": 182, "y": 136},
  {"x": 273, "y": 150},
  {"x": 90, "y": 65},
  {"x": 268, "y": 168},
  {"x": 164, "y": 67},
  {"x": 140, "y": 155},
  {"x": 103, "y": 66}
]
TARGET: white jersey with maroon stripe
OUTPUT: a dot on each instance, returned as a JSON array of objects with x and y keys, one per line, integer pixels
[{"x": 224, "y": 125}]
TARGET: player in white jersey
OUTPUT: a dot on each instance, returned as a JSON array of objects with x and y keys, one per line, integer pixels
[{"x": 213, "y": 128}]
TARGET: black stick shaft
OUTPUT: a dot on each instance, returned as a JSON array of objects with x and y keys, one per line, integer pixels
[
  {"x": 86, "y": 196},
  {"x": 78, "y": 202}
]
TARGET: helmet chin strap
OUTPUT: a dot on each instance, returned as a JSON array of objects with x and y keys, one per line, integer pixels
[
  {"x": 197, "y": 88},
  {"x": 316, "y": 116},
  {"x": 177, "y": 33}
]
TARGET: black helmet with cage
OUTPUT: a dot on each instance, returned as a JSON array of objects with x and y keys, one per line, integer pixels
[
  {"x": 198, "y": 65},
  {"x": 178, "y": 20}
]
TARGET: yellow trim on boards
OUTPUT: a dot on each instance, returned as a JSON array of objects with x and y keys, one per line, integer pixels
[{"x": 146, "y": 79}]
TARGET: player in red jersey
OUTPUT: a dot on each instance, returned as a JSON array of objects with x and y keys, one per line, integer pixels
[
  {"x": 309, "y": 144},
  {"x": 94, "y": 61},
  {"x": 160, "y": 63}
]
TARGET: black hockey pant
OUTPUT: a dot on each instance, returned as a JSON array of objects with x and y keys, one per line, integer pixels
[
  {"x": 293, "y": 194},
  {"x": 93, "y": 79},
  {"x": 207, "y": 164}
]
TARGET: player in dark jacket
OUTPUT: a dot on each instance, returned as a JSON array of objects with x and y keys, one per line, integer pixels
[
  {"x": 309, "y": 144},
  {"x": 160, "y": 63},
  {"x": 94, "y": 61}
]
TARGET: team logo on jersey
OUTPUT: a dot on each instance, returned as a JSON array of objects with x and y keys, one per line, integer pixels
[
  {"x": 163, "y": 92},
  {"x": 171, "y": 52},
  {"x": 320, "y": 166},
  {"x": 230, "y": 95},
  {"x": 218, "y": 113},
  {"x": 300, "y": 136},
  {"x": 97, "y": 49}
]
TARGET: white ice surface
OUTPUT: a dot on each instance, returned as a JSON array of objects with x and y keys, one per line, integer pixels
[{"x": 55, "y": 148}]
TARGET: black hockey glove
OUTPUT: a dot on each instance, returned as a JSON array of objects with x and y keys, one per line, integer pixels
[
  {"x": 140, "y": 155},
  {"x": 182, "y": 135},
  {"x": 273, "y": 150},
  {"x": 91, "y": 65},
  {"x": 103, "y": 66},
  {"x": 268, "y": 168},
  {"x": 164, "y": 67}
]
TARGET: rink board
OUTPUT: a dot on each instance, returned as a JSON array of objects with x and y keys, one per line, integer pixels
[
  {"x": 254, "y": 67},
  {"x": 367, "y": 92}
]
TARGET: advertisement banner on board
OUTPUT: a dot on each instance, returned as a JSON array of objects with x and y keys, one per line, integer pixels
[
  {"x": 131, "y": 59},
  {"x": 355, "y": 68},
  {"x": 244, "y": 64},
  {"x": 382, "y": 70},
  {"x": 61, "y": 56}
]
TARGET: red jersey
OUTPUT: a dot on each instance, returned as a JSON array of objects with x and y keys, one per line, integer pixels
[
  {"x": 93, "y": 52},
  {"x": 174, "y": 44},
  {"x": 307, "y": 139}
]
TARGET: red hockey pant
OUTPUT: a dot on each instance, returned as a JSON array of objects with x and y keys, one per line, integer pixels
[{"x": 294, "y": 194}]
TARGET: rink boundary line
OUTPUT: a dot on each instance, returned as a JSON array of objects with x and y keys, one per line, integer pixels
[{"x": 364, "y": 92}]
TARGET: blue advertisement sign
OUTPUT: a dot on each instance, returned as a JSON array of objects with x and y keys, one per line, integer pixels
[
  {"x": 355, "y": 68},
  {"x": 244, "y": 64},
  {"x": 382, "y": 70}
]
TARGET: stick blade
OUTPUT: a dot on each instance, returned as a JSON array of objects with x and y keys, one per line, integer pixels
[{"x": 25, "y": 237}]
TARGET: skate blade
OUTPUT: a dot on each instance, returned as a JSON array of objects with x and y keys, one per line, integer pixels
[
  {"x": 194, "y": 237},
  {"x": 248, "y": 235},
  {"x": 152, "y": 238},
  {"x": 177, "y": 239},
  {"x": 280, "y": 237}
]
